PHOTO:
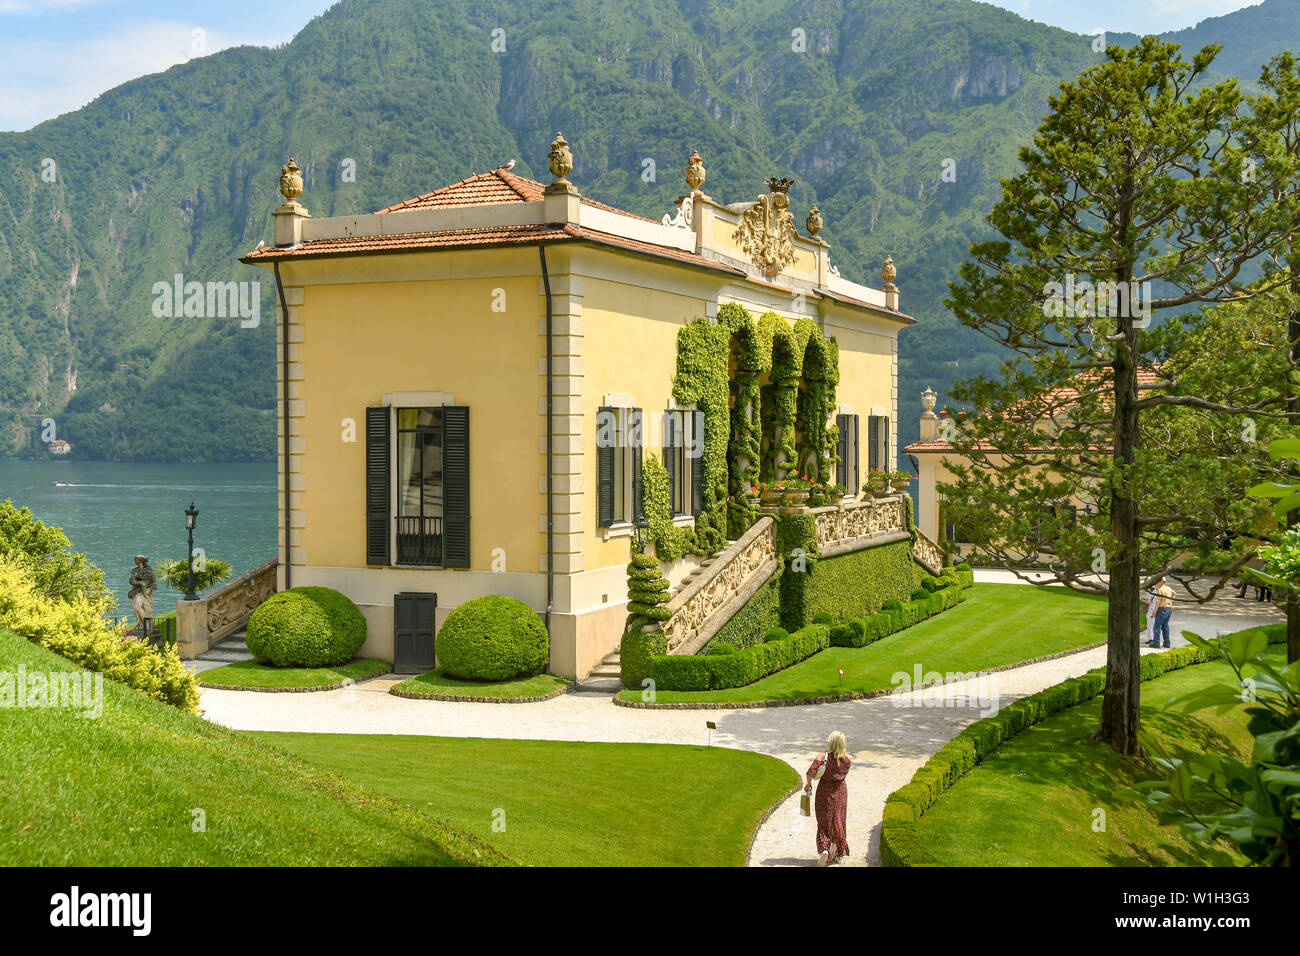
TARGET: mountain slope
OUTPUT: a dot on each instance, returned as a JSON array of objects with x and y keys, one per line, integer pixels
[{"x": 176, "y": 173}]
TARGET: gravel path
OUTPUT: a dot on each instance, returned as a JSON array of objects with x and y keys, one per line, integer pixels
[{"x": 889, "y": 738}]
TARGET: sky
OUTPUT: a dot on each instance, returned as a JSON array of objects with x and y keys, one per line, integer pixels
[{"x": 58, "y": 55}]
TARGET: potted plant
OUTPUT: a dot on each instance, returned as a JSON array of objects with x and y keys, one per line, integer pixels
[
  {"x": 754, "y": 496},
  {"x": 877, "y": 483},
  {"x": 771, "y": 495},
  {"x": 899, "y": 480},
  {"x": 797, "y": 490}
]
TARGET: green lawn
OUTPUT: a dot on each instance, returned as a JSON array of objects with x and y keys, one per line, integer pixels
[
  {"x": 435, "y": 682},
  {"x": 1032, "y": 802},
  {"x": 253, "y": 674},
  {"x": 121, "y": 790},
  {"x": 567, "y": 803},
  {"x": 997, "y": 624}
]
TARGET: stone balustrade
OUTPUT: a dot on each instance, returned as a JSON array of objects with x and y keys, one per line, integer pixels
[
  {"x": 201, "y": 623},
  {"x": 864, "y": 523},
  {"x": 928, "y": 554},
  {"x": 704, "y": 604}
]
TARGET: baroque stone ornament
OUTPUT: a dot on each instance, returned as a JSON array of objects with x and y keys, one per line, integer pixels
[
  {"x": 560, "y": 159},
  {"x": 888, "y": 272},
  {"x": 767, "y": 231},
  {"x": 290, "y": 180},
  {"x": 695, "y": 171},
  {"x": 928, "y": 399},
  {"x": 814, "y": 222},
  {"x": 685, "y": 213},
  {"x": 143, "y": 583}
]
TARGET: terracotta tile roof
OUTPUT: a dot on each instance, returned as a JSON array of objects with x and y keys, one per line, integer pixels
[
  {"x": 468, "y": 238},
  {"x": 409, "y": 242},
  {"x": 496, "y": 186},
  {"x": 849, "y": 300},
  {"x": 1060, "y": 397}
]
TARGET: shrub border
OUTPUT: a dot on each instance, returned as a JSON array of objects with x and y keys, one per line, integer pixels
[
  {"x": 294, "y": 690},
  {"x": 463, "y": 699},
  {"x": 899, "y": 842},
  {"x": 846, "y": 697}
]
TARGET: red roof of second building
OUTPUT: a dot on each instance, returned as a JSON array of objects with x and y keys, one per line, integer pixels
[{"x": 497, "y": 186}]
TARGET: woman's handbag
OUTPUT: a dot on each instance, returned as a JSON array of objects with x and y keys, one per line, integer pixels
[{"x": 805, "y": 803}]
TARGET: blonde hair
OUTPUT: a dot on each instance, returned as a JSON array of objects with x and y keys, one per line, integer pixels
[{"x": 836, "y": 745}]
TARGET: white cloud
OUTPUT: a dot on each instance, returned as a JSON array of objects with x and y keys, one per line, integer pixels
[
  {"x": 42, "y": 79},
  {"x": 41, "y": 6}
]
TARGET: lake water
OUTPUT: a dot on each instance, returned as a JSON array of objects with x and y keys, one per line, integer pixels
[{"x": 113, "y": 511}]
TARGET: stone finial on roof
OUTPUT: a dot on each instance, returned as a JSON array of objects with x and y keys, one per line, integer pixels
[
  {"x": 560, "y": 160},
  {"x": 888, "y": 272},
  {"x": 695, "y": 171},
  {"x": 290, "y": 180},
  {"x": 814, "y": 221}
]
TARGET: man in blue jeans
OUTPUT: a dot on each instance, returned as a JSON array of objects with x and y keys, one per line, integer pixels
[{"x": 1164, "y": 611}]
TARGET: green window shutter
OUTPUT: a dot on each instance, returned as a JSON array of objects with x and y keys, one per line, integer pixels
[
  {"x": 842, "y": 451},
  {"x": 873, "y": 441},
  {"x": 378, "y": 485},
  {"x": 604, "y": 469},
  {"x": 697, "y": 464},
  {"x": 455, "y": 483},
  {"x": 854, "y": 462},
  {"x": 885, "y": 456},
  {"x": 634, "y": 421},
  {"x": 670, "y": 461}
]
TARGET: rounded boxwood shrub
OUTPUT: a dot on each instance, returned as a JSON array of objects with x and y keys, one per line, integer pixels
[
  {"x": 775, "y": 634},
  {"x": 920, "y": 594},
  {"x": 823, "y": 617},
  {"x": 493, "y": 637},
  {"x": 891, "y": 604},
  {"x": 306, "y": 627},
  {"x": 722, "y": 647}
]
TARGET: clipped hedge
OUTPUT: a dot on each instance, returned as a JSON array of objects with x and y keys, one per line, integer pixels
[
  {"x": 637, "y": 649},
  {"x": 492, "y": 637},
  {"x": 723, "y": 671},
  {"x": 761, "y": 612},
  {"x": 306, "y": 627},
  {"x": 852, "y": 585},
  {"x": 900, "y": 841},
  {"x": 862, "y": 631},
  {"x": 718, "y": 669}
]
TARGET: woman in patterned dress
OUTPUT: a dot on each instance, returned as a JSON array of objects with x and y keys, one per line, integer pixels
[{"x": 832, "y": 800}]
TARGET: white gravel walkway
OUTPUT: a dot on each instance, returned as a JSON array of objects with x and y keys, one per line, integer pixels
[{"x": 888, "y": 742}]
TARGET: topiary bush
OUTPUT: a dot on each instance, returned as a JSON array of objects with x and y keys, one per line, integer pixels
[
  {"x": 306, "y": 627},
  {"x": 493, "y": 637},
  {"x": 721, "y": 647},
  {"x": 775, "y": 634}
]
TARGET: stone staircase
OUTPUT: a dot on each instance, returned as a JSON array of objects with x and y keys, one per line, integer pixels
[
  {"x": 228, "y": 650},
  {"x": 605, "y": 677}
]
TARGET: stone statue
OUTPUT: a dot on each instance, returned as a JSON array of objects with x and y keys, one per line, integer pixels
[{"x": 143, "y": 584}]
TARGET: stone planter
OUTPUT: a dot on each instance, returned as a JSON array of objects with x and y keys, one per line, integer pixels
[
  {"x": 771, "y": 497},
  {"x": 880, "y": 490},
  {"x": 900, "y": 484},
  {"x": 796, "y": 499}
]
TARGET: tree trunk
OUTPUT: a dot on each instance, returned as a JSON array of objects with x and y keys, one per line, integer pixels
[
  {"x": 1121, "y": 703},
  {"x": 1293, "y": 405}
]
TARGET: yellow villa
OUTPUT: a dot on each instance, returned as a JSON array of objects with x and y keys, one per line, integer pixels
[{"x": 448, "y": 360}]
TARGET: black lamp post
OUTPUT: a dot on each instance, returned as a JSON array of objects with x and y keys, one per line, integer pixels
[{"x": 191, "y": 518}]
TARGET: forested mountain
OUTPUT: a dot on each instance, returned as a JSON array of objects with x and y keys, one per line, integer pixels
[{"x": 176, "y": 173}]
